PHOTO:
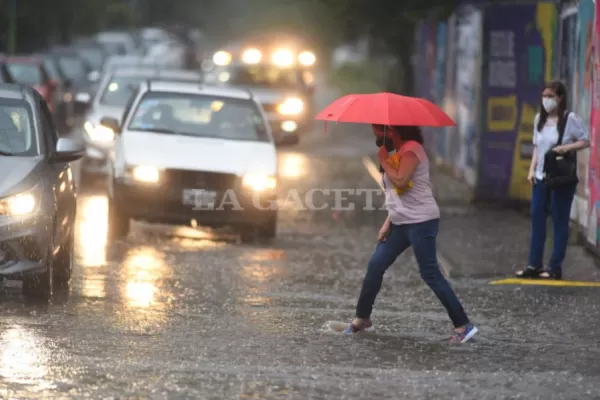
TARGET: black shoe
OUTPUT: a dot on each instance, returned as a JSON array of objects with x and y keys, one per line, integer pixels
[
  {"x": 549, "y": 274},
  {"x": 529, "y": 272}
]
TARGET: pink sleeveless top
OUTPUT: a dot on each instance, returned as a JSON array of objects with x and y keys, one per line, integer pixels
[{"x": 417, "y": 204}]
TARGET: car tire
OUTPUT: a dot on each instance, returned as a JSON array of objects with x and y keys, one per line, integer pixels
[
  {"x": 118, "y": 222},
  {"x": 253, "y": 234},
  {"x": 63, "y": 263},
  {"x": 41, "y": 286},
  {"x": 269, "y": 230}
]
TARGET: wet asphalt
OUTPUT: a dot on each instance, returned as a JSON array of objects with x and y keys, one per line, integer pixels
[{"x": 182, "y": 313}]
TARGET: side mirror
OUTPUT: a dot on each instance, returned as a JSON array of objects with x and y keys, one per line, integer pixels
[
  {"x": 112, "y": 124},
  {"x": 67, "y": 150},
  {"x": 83, "y": 97}
]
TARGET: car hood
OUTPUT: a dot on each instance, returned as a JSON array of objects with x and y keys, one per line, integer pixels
[
  {"x": 101, "y": 111},
  {"x": 23, "y": 174},
  {"x": 199, "y": 153}
]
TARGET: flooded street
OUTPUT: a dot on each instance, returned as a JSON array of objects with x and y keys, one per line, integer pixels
[{"x": 188, "y": 313}]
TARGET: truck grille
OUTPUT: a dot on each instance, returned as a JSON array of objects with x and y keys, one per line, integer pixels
[
  {"x": 270, "y": 107},
  {"x": 182, "y": 179}
]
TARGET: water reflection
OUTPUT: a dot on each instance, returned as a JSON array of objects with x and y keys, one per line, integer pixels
[
  {"x": 91, "y": 231},
  {"x": 144, "y": 267},
  {"x": 94, "y": 284},
  {"x": 23, "y": 358},
  {"x": 292, "y": 165}
]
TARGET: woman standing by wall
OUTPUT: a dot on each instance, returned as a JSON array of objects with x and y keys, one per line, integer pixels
[{"x": 553, "y": 115}]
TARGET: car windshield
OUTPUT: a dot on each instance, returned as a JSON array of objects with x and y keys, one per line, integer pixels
[
  {"x": 17, "y": 134},
  {"x": 93, "y": 56},
  {"x": 73, "y": 68},
  {"x": 199, "y": 115},
  {"x": 263, "y": 75},
  {"x": 119, "y": 90},
  {"x": 25, "y": 73},
  {"x": 52, "y": 70}
]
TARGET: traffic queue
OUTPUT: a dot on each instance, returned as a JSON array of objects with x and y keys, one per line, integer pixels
[{"x": 170, "y": 144}]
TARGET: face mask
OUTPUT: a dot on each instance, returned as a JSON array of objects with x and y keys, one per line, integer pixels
[
  {"x": 549, "y": 104},
  {"x": 389, "y": 143}
]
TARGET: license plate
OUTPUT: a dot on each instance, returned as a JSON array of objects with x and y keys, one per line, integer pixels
[{"x": 199, "y": 198}]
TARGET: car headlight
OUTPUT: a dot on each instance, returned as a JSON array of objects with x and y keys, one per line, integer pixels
[
  {"x": 146, "y": 174},
  {"x": 222, "y": 58},
  {"x": 19, "y": 205},
  {"x": 307, "y": 58},
  {"x": 291, "y": 106},
  {"x": 99, "y": 133},
  {"x": 259, "y": 182}
]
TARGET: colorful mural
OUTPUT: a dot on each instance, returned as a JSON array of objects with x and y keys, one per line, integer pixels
[
  {"x": 593, "y": 226},
  {"x": 519, "y": 42},
  {"x": 468, "y": 53}
]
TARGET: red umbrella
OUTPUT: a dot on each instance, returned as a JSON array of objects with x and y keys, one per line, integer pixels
[{"x": 385, "y": 109}]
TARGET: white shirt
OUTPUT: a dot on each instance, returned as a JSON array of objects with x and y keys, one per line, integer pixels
[{"x": 547, "y": 139}]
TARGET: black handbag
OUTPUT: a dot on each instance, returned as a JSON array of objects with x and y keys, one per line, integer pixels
[{"x": 560, "y": 169}]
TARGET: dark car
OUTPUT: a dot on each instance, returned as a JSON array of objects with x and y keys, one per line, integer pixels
[
  {"x": 37, "y": 196},
  {"x": 4, "y": 75},
  {"x": 76, "y": 70},
  {"x": 29, "y": 70}
]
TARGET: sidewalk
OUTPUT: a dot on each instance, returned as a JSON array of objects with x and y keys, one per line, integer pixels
[{"x": 492, "y": 243}]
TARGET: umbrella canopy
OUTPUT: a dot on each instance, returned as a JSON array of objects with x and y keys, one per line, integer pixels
[{"x": 385, "y": 109}]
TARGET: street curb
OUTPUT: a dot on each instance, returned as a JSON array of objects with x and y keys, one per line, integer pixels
[{"x": 374, "y": 173}]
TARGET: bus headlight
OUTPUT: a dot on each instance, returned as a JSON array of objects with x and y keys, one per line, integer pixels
[{"x": 291, "y": 106}]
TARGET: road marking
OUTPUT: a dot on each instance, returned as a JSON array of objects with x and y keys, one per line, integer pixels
[
  {"x": 544, "y": 282},
  {"x": 376, "y": 175}
]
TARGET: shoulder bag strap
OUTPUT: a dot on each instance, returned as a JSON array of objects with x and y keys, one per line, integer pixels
[{"x": 561, "y": 127}]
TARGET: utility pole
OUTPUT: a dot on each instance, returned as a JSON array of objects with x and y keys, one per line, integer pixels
[{"x": 12, "y": 26}]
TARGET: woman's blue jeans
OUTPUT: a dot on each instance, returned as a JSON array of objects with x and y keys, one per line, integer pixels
[
  {"x": 422, "y": 237},
  {"x": 560, "y": 199}
]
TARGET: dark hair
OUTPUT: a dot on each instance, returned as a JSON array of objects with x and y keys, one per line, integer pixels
[
  {"x": 561, "y": 90},
  {"x": 407, "y": 133}
]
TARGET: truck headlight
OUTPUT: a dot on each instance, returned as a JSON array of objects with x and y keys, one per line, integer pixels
[
  {"x": 19, "y": 205},
  {"x": 252, "y": 56},
  {"x": 99, "y": 133},
  {"x": 307, "y": 58},
  {"x": 259, "y": 182},
  {"x": 283, "y": 58},
  {"x": 146, "y": 174},
  {"x": 291, "y": 106}
]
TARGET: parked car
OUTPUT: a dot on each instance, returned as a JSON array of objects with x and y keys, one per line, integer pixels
[
  {"x": 111, "y": 100},
  {"x": 31, "y": 71},
  {"x": 183, "y": 146},
  {"x": 37, "y": 197}
]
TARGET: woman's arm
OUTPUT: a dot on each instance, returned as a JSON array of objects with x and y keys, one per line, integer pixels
[
  {"x": 403, "y": 174},
  {"x": 534, "y": 157},
  {"x": 578, "y": 145}
]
